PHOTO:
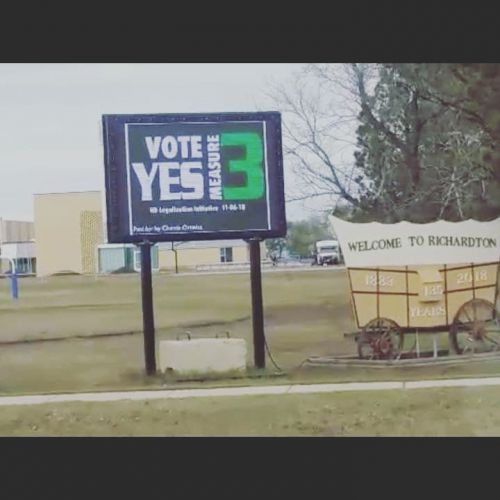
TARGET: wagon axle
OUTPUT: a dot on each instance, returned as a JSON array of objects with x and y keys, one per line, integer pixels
[{"x": 381, "y": 345}]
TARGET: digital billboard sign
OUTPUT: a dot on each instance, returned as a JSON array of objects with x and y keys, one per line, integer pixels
[{"x": 175, "y": 177}]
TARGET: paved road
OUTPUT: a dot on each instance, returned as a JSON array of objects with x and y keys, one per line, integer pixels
[{"x": 245, "y": 391}]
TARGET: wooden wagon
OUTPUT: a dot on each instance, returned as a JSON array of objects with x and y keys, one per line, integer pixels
[{"x": 391, "y": 301}]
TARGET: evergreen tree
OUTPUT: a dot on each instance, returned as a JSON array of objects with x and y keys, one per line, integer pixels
[{"x": 423, "y": 155}]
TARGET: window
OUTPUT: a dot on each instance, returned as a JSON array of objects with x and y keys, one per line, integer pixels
[
  {"x": 112, "y": 259},
  {"x": 226, "y": 254},
  {"x": 24, "y": 265},
  {"x": 155, "y": 263}
]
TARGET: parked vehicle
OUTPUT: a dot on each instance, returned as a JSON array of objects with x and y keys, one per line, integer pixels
[{"x": 327, "y": 252}]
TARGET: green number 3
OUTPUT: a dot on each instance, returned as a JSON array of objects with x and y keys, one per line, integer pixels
[{"x": 251, "y": 165}]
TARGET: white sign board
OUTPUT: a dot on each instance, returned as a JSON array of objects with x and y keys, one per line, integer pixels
[{"x": 407, "y": 243}]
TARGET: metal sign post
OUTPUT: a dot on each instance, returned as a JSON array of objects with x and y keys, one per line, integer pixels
[
  {"x": 14, "y": 287},
  {"x": 257, "y": 309},
  {"x": 147, "y": 308}
]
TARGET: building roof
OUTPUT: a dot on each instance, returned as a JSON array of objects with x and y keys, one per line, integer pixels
[{"x": 67, "y": 192}]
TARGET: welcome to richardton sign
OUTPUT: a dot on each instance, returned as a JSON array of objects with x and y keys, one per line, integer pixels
[{"x": 406, "y": 243}]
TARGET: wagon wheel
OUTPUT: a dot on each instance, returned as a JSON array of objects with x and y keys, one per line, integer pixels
[
  {"x": 475, "y": 328},
  {"x": 381, "y": 338}
]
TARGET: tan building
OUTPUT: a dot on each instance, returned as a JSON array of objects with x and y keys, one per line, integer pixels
[
  {"x": 68, "y": 228},
  {"x": 70, "y": 237},
  {"x": 200, "y": 255}
]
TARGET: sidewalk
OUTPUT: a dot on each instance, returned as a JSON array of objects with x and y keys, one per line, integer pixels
[{"x": 244, "y": 391}]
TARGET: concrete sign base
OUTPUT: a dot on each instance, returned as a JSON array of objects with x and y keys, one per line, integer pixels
[{"x": 202, "y": 355}]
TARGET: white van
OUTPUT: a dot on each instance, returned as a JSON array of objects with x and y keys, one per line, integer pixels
[{"x": 327, "y": 252}]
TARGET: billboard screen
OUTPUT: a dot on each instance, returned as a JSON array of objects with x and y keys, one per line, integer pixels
[{"x": 174, "y": 177}]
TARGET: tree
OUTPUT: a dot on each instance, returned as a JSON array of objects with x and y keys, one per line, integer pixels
[
  {"x": 303, "y": 234},
  {"x": 319, "y": 119},
  {"x": 421, "y": 139},
  {"x": 275, "y": 247},
  {"x": 472, "y": 93},
  {"x": 406, "y": 146}
]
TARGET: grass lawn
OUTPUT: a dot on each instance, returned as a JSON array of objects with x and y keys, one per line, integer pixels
[
  {"x": 95, "y": 324},
  {"x": 305, "y": 314},
  {"x": 70, "y": 306},
  {"x": 423, "y": 412}
]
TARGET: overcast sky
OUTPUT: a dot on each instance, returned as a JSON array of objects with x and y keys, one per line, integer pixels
[{"x": 50, "y": 132}]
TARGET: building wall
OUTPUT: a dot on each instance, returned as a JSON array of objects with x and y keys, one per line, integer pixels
[
  {"x": 4, "y": 266},
  {"x": 68, "y": 226},
  {"x": 240, "y": 254},
  {"x": 192, "y": 257},
  {"x": 188, "y": 257},
  {"x": 13, "y": 231},
  {"x": 91, "y": 235}
]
